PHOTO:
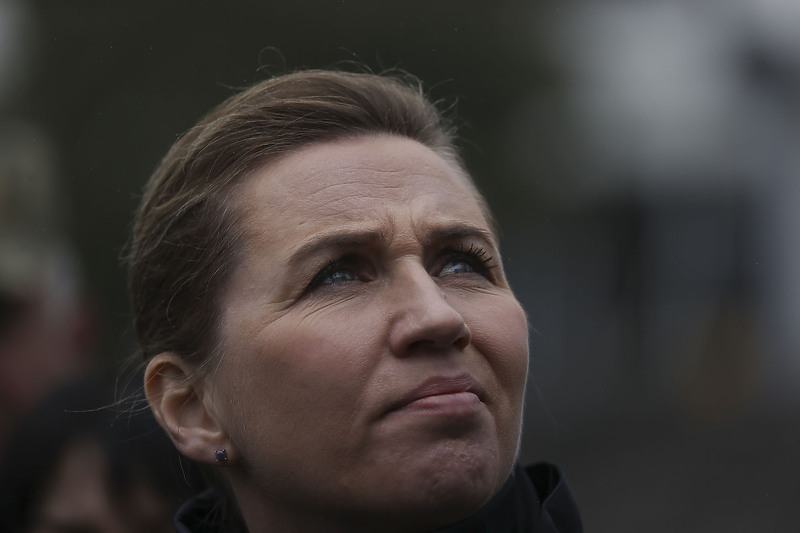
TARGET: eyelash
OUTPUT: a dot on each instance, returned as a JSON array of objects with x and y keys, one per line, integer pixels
[
  {"x": 330, "y": 268},
  {"x": 477, "y": 257}
]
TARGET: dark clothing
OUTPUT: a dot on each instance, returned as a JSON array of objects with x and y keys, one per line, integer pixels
[{"x": 536, "y": 499}]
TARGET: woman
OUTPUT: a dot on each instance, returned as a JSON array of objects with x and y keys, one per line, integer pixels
[{"x": 318, "y": 291}]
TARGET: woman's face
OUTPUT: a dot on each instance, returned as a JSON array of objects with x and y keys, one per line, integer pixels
[{"x": 373, "y": 355}]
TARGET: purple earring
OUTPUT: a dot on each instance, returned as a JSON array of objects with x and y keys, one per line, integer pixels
[{"x": 221, "y": 456}]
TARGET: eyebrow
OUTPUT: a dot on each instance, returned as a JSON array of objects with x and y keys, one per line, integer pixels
[
  {"x": 356, "y": 238},
  {"x": 342, "y": 238},
  {"x": 458, "y": 231}
]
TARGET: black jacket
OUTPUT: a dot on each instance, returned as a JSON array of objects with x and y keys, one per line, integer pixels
[{"x": 536, "y": 499}]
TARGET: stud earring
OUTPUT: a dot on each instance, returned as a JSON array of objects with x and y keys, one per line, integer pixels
[{"x": 221, "y": 456}]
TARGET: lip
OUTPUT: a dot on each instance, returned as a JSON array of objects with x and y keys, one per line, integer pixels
[{"x": 442, "y": 394}]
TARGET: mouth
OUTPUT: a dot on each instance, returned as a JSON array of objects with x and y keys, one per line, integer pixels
[{"x": 454, "y": 395}]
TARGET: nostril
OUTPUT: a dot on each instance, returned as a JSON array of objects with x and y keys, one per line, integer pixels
[
  {"x": 432, "y": 345},
  {"x": 412, "y": 337},
  {"x": 463, "y": 340},
  {"x": 424, "y": 320}
]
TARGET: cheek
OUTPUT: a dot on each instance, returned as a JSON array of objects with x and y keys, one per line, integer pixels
[
  {"x": 500, "y": 332},
  {"x": 297, "y": 377}
]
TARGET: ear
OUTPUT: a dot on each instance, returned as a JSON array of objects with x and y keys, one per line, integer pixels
[{"x": 176, "y": 397}]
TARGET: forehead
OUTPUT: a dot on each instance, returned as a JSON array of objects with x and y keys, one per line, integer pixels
[{"x": 364, "y": 180}]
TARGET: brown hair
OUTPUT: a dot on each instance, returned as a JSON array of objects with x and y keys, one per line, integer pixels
[{"x": 186, "y": 237}]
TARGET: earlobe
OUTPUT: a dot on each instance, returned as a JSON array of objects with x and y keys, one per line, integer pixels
[{"x": 176, "y": 396}]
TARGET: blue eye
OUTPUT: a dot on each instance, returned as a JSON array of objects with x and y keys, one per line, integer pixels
[
  {"x": 337, "y": 276},
  {"x": 456, "y": 266},
  {"x": 337, "y": 272},
  {"x": 472, "y": 260}
]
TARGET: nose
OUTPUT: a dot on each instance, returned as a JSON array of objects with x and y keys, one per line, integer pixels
[{"x": 423, "y": 319}]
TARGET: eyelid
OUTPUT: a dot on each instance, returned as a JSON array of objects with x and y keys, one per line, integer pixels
[
  {"x": 475, "y": 253},
  {"x": 330, "y": 267},
  {"x": 348, "y": 261},
  {"x": 480, "y": 254}
]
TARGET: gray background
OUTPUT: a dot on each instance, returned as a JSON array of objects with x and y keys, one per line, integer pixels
[{"x": 641, "y": 158}]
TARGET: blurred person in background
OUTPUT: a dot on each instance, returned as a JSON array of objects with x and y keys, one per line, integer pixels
[
  {"x": 68, "y": 463},
  {"x": 47, "y": 329},
  {"x": 74, "y": 464}
]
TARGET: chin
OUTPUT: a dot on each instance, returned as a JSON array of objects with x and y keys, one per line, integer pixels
[{"x": 452, "y": 485}]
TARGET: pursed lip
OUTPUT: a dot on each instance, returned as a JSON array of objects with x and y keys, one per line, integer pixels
[{"x": 438, "y": 386}]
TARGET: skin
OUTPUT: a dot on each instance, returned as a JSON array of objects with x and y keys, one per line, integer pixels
[{"x": 369, "y": 269}]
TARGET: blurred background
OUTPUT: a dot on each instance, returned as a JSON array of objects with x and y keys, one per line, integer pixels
[{"x": 641, "y": 157}]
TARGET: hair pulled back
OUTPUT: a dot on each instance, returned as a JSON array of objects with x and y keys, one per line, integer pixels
[{"x": 186, "y": 239}]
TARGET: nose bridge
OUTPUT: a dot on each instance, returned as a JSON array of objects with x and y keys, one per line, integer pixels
[{"x": 422, "y": 316}]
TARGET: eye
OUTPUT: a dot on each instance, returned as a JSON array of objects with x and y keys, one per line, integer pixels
[
  {"x": 472, "y": 260},
  {"x": 458, "y": 266},
  {"x": 335, "y": 273}
]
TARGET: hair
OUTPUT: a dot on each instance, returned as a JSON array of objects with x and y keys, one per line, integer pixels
[{"x": 187, "y": 238}]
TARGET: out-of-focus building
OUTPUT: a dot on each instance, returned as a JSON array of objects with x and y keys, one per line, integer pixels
[
  {"x": 664, "y": 282},
  {"x": 673, "y": 265}
]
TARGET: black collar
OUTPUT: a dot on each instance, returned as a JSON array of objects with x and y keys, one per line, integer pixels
[{"x": 536, "y": 499}]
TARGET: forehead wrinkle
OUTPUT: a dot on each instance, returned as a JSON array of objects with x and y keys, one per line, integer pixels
[
  {"x": 355, "y": 235},
  {"x": 468, "y": 223},
  {"x": 437, "y": 232},
  {"x": 353, "y": 188},
  {"x": 344, "y": 171},
  {"x": 341, "y": 191}
]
